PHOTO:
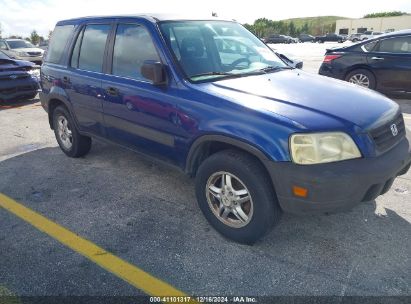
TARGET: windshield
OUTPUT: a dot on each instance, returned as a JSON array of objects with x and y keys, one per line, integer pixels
[
  {"x": 209, "y": 50},
  {"x": 19, "y": 44}
]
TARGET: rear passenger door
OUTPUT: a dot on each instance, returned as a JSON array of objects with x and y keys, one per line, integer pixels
[
  {"x": 390, "y": 60},
  {"x": 137, "y": 113},
  {"x": 83, "y": 80}
]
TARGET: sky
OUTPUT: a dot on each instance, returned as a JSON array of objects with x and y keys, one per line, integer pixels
[{"x": 20, "y": 17}]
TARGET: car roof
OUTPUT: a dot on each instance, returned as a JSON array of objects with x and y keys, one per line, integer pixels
[
  {"x": 150, "y": 17},
  {"x": 13, "y": 39},
  {"x": 397, "y": 33}
]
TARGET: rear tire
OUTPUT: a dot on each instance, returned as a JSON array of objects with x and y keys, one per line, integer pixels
[
  {"x": 244, "y": 207},
  {"x": 362, "y": 77},
  {"x": 71, "y": 142}
]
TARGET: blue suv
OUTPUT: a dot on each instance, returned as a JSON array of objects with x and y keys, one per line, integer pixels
[{"x": 207, "y": 96}]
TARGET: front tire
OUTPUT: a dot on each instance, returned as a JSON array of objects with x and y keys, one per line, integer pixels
[
  {"x": 71, "y": 142},
  {"x": 235, "y": 195}
]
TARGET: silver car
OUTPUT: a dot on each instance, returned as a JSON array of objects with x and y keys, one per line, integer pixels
[{"x": 22, "y": 50}]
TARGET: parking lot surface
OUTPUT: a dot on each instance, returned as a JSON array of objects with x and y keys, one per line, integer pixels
[{"x": 146, "y": 214}]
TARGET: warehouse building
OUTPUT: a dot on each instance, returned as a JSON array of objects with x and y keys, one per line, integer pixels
[{"x": 383, "y": 24}]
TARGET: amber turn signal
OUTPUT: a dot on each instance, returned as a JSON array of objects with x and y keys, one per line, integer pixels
[{"x": 299, "y": 191}]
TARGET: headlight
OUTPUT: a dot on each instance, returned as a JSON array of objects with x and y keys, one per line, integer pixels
[
  {"x": 317, "y": 148},
  {"x": 34, "y": 73},
  {"x": 22, "y": 54}
]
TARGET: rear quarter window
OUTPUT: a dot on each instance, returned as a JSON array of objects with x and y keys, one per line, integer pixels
[{"x": 58, "y": 42}]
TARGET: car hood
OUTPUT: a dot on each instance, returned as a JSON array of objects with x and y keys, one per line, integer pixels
[
  {"x": 7, "y": 65},
  {"x": 311, "y": 101},
  {"x": 28, "y": 50}
]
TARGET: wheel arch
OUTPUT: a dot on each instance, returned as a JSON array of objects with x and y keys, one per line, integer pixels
[
  {"x": 359, "y": 67},
  {"x": 207, "y": 145}
]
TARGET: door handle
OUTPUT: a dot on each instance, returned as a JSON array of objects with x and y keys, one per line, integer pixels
[
  {"x": 112, "y": 91},
  {"x": 377, "y": 58}
]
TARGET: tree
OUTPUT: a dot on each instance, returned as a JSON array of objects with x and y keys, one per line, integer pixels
[
  {"x": 249, "y": 27},
  {"x": 34, "y": 37},
  {"x": 49, "y": 35},
  {"x": 214, "y": 14},
  {"x": 304, "y": 29},
  {"x": 385, "y": 14},
  {"x": 0, "y": 30},
  {"x": 291, "y": 29}
]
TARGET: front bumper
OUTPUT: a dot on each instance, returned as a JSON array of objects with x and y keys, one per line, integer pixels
[
  {"x": 20, "y": 88},
  {"x": 35, "y": 59},
  {"x": 341, "y": 185}
]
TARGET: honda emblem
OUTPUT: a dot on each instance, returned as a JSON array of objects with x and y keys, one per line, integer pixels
[{"x": 394, "y": 130}]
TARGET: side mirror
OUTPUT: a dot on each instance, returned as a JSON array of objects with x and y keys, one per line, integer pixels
[
  {"x": 154, "y": 71},
  {"x": 298, "y": 64}
]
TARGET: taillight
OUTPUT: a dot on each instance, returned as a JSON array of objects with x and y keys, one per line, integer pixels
[{"x": 329, "y": 58}]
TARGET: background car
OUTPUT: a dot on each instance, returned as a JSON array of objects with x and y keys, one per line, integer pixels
[
  {"x": 370, "y": 34},
  {"x": 278, "y": 39},
  {"x": 382, "y": 63},
  {"x": 306, "y": 38},
  {"x": 18, "y": 79},
  {"x": 21, "y": 49},
  {"x": 354, "y": 37},
  {"x": 44, "y": 44},
  {"x": 330, "y": 37}
]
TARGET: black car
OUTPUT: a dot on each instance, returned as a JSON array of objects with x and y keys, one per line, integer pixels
[
  {"x": 18, "y": 79},
  {"x": 306, "y": 38},
  {"x": 382, "y": 63},
  {"x": 278, "y": 39},
  {"x": 330, "y": 37}
]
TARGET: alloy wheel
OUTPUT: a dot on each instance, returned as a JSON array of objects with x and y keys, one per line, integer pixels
[
  {"x": 64, "y": 132},
  {"x": 229, "y": 199},
  {"x": 360, "y": 79}
]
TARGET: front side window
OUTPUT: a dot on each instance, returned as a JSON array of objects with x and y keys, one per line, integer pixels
[
  {"x": 58, "y": 43},
  {"x": 133, "y": 45},
  {"x": 209, "y": 50},
  {"x": 395, "y": 45},
  {"x": 93, "y": 45}
]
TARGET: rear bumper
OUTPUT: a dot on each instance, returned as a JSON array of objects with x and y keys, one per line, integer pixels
[
  {"x": 18, "y": 88},
  {"x": 341, "y": 185},
  {"x": 329, "y": 71}
]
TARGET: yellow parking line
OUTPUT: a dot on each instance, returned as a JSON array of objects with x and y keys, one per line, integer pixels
[{"x": 128, "y": 272}]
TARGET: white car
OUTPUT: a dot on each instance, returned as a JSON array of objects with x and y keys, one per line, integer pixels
[
  {"x": 370, "y": 34},
  {"x": 22, "y": 50}
]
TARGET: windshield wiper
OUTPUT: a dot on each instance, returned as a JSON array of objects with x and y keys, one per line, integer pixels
[
  {"x": 212, "y": 74},
  {"x": 275, "y": 68}
]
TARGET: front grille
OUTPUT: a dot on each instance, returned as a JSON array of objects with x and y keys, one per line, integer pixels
[
  {"x": 384, "y": 137},
  {"x": 12, "y": 90},
  {"x": 34, "y": 53},
  {"x": 13, "y": 77}
]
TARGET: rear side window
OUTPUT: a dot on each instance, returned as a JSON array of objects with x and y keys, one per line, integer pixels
[
  {"x": 92, "y": 44},
  {"x": 58, "y": 43},
  {"x": 133, "y": 46},
  {"x": 396, "y": 45}
]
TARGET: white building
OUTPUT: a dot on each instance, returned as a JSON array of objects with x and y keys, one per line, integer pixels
[{"x": 352, "y": 26}]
